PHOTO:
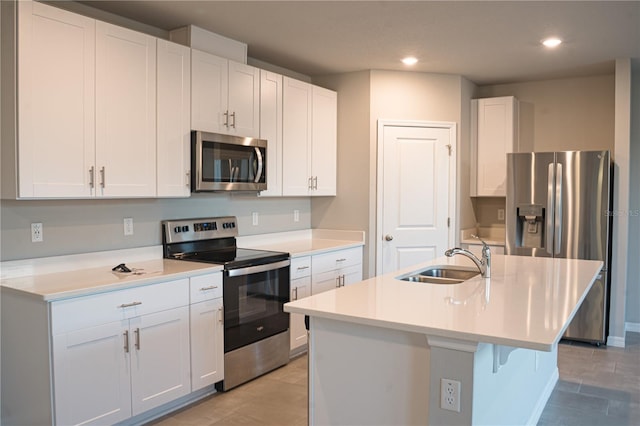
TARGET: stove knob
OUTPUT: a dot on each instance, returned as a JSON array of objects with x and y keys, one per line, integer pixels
[
  {"x": 225, "y": 225},
  {"x": 185, "y": 228},
  {"x": 176, "y": 229},
  {"x": 233, "y": 225}
]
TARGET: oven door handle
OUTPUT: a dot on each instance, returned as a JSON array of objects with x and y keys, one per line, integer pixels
[{"x": 260, "y": 268}]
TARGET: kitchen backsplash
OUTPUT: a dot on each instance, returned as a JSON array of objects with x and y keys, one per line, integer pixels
[
  {"x": 487, "y": 211},
  {"x": 81, "y": 226}
]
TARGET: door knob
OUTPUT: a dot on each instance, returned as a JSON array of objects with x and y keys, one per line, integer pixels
[{"x": 388, "y": 237}]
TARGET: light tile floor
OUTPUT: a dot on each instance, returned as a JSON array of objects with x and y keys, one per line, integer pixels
[{"x": 597, "y": 386}]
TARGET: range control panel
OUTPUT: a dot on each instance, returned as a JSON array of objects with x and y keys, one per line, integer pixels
[{"x": 182, "y": 230}]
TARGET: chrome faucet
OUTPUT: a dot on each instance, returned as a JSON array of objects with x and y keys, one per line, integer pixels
[{"x": 484, "y": 265}]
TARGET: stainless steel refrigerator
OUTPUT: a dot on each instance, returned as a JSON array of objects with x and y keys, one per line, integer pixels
[{"x": 558, "y": 205}]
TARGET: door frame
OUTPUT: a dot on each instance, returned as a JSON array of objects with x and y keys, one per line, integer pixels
[{"x": 453, "y": 181}]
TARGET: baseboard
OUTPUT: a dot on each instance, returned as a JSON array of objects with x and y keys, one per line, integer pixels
[
  {"x": 632, "y": 326},
  {"x": 615, "y": 341},
  {"x": 544, "y": 398}
]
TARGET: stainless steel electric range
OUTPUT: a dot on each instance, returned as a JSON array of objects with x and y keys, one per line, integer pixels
[{"x": 255, "y": 288}]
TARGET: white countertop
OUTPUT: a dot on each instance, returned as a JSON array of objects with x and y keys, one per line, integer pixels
[
  {"x": 528, "y": 302},
  {"x": 305, "y": 243},
  {"x": 82, "y": 282}
]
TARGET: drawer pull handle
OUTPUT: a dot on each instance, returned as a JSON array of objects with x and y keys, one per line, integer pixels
[
  {"x": 137, "y": 333},
  {"x": 295, "y": 293},
  {"x": 341, "y": 260},
  {"x": 128, "y": 305},
  {"x": 302, "y": 268},
  {"x": 126, "y": 341},
  {"x": 220, "y": 316},
  {"x": 211, "y": 287}
]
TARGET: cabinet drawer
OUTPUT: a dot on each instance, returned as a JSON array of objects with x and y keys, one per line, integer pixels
[
  {"x": 89, "y": 311},
  {"x": 300, "y": 267},
  {"x": 336, "y": 259},
  {"x": 206, "y": 287}
]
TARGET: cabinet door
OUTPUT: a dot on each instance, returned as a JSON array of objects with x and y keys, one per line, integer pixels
[
  {"x": 125, "y": 112},
  {"x": 496, "y": 136},
  {"x": 207, "y": 343},
  {"x": 296, "y": 137},
  {"x": 244, "y": 100},
  {"x": 300, "y": 288},
  {"x": 91, "y": 375},
  {"x": 324, "y": 281},
  {"x": 160, "y": 363},
  {"x": 324, "y": 141},
  {"x": 209, "y": 90},
  {"x": 174, "y": 119},
  {"x": 56, "y": 86},
  {"x": 351, "y": 275},
  {"x": 271, "y": 129}
]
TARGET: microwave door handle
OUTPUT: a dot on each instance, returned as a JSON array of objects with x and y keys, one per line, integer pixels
[{"x": 260, "y": 165}]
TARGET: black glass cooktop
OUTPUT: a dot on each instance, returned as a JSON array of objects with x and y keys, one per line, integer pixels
[{"x": 235, "y": 257}]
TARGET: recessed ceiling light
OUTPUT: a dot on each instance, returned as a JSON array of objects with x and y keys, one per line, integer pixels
[
  {"x": 409, "y": 60},
  {"x": 552, "y": 42}
]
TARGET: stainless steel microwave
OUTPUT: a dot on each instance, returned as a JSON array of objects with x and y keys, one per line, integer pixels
[{"x": 227, "y": 163}]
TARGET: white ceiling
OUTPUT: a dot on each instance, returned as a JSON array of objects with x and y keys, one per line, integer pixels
[{"x": 487, "y": 42}]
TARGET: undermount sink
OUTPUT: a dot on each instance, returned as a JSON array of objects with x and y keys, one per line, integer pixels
[{"x": 441, "y": 275}]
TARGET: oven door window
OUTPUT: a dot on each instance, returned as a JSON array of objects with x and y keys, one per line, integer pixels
[
  {"x": 228, "y": 163},
  {"x": 253, "y": 307}
]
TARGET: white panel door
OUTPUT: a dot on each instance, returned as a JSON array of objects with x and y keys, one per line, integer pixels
[
  {"x": 209, "y": 90},
  {"x": 174, "y": 119},
  {"x": 125, "y": 112},
  {"x": 56, "y": 86},
  {"x": 296, "y": 137},
  {"x": 91, "y": 375},
  {"x": 244, "y": 100},
  {"x": 160, "y": 362},
  {"x": 207, "y": 343},
  {"x": 324, "y": 141},
  {"x": 415, "y": 192},
  {"x": 271, "y": 129}
]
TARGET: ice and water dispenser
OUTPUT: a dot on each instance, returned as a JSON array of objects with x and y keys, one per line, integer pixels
[{"x": 530, "y": 226}]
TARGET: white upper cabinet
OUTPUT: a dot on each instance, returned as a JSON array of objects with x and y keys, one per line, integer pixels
[
  {"x": 174, "y": 119},
  {"x": 271, "y": 129},
  {"x": 494, "y": 133},
  {"x": 86, "y": 107},
  {"x": 225, "y": 96},
  {"x": 309, "y": 139},
  {"x": 125, "y": 112},
  {"x": 56, "y": 96}
]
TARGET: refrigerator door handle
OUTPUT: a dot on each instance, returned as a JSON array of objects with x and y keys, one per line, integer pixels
[
  {"x": 550, "y": 210},
  {"x": 557, "y": 235}
]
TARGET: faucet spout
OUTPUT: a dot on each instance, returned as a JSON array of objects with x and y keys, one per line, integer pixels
[{"x": 484, "y": 265}]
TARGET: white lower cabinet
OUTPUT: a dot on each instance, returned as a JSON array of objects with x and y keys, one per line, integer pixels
[
  {"x": 207, "y": 328},
  {"x": 336, "y": 269},
  {"x": 119, "y": 354},
  {"x": 300, "y": 288}
]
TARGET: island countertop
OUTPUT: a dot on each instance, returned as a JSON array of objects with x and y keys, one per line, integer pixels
[{"x": 528, "y": 302}]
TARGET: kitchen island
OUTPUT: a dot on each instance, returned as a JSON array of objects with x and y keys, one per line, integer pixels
[{"x": 387, "y": 351}]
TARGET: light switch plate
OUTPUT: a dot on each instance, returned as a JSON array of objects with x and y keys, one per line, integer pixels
[{"x": 128, "y": 226}]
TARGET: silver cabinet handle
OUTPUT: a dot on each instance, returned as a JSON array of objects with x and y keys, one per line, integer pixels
[
  {"x": 302, "y": 268},
  {"x": 103, "y": 182},
  {"x": 137, "y": 333},
  {"x": 220, "y": 316},
  {"x": 211, "y": 287},
  {"x": 388, "y": 237},
  {"x": 295, "y": 293},
  {"x": 126, "y": 341},
  {"x": 549, "y": 212},
  {"x": 342, "y": 279},
  {"x": 92, "y": 174},
  {"x": 309, "y": 181},
  {"x": 226, "y": 119},
  {"x": 187, "y": 179},
  {"x": 341, "y": 259},
  {"x": 315, "y": 182},
  {"x": 233, "y": 123},
  {"x": 337, "y": 282},
  {"x": 128, "y": 305}
]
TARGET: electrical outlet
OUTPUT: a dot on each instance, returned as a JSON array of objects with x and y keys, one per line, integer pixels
[
  {"x": 296, "y": 215},
  {"x": 36, "y": 233},
  {"x": 254, "y": 216},
  {"x": 500, "y": 214},
  {"x": 450, "y": 395},
  {"x": 128, "y": 226}
]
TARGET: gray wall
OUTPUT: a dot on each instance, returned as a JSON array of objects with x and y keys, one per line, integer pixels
[
  {"x": 633, "y": 271},
  {"x": 79, "y": 226}
]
